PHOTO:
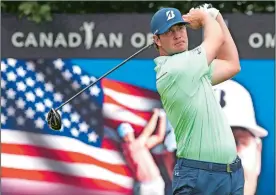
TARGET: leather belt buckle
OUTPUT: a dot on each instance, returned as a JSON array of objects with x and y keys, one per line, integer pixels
[{"x": 228, "y": 168}]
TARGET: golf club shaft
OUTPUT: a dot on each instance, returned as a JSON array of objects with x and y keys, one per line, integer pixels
[{"x": 110, "y": 71}]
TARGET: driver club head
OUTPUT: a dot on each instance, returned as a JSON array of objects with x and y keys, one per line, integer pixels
[{"x": 54, "y": 120}]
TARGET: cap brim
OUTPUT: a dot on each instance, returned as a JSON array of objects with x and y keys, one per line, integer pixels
[
  {"x": 255, "y": 130},
  {"x": 259, "y": 131},
  {"x": 166, "y": 28}
]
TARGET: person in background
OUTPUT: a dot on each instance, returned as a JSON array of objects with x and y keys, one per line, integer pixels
[
  {"x": 238, "y": 107},
  {"x": 166, "y": 156},
  {"x": 136, "y": 151},
  {"x": 237, "y": 104}
]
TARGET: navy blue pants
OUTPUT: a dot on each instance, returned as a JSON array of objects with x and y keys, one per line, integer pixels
[{"x": 203, "y": 178}]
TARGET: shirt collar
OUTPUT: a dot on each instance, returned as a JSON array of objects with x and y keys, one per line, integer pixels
[{"x": 159, "y": 61}]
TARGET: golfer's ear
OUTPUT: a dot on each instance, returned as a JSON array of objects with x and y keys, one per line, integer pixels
[{"x": 156, "y": 40}]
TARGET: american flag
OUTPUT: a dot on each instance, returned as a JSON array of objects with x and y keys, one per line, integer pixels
[{"x": 84, "y": 157}]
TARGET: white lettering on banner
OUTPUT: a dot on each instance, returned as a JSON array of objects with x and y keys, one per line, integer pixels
[
  {"x": 101, "y": 41},
  {"x": 31, "y": 41},
  {"x": 269, "y": 40},
  {"x": 149, "y": 38},
  {"x": 15, "y": 41},
  {"x": 47, "y": 39},
  {"x": 257, "y": 40},
  {"x": 86, "y": 38},
  {"x": 138, "y": 40},
  {"x": 68, "y": 40},
  {"x": 60, "y": 40},
  {"x": 116, "y": 40},
  {"x": 74, "y": 39}
]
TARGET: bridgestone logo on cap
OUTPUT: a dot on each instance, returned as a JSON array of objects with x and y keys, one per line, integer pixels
[{"x": 170, "y": 15}]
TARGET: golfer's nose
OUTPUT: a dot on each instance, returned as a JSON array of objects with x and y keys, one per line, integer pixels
[{"x": 177, "y": 34}]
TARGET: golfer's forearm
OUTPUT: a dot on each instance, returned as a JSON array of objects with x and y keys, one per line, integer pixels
[
  {"x": 212, "y": 31},
  {"x": 228, "y": 50},
  {"x": 213, "y": 38}
]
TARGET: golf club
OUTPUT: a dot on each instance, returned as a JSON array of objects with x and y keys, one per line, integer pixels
[{"x": 53, "y": 117}]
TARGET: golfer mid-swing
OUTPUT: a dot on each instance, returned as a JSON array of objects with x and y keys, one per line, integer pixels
[{"x": 207, "y": 161}]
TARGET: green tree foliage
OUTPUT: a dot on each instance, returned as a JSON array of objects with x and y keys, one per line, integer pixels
[{"x": 39, "y": 11}]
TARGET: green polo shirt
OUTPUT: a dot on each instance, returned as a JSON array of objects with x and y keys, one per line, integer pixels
[{"x": 201, "y": 129}]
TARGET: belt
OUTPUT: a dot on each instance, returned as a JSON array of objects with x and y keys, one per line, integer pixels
[{"x": 234, "y": 166}]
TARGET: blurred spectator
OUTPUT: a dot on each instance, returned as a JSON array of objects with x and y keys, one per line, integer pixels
[
  {"x": 238, "y": 106},
  {"x": 167, "y": 152},
  {"x": 148, "y": 180},
  {"x": 170, "y": 149}
]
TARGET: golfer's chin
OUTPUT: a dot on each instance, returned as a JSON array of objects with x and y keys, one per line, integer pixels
[{"x": 180, "y": 47}]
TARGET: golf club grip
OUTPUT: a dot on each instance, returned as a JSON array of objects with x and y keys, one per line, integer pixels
[{"x": 113, "y": 69}]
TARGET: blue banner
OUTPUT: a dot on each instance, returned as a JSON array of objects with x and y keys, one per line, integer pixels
[
  {"x": 257, "y": 76},
  {"x": 87, "y": 155}
]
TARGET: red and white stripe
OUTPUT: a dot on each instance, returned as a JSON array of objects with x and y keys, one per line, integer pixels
[
  {"x": 14, "y": 186},
  {"x": 127, "y": 103},
  {"x": 63, "y": 160},
  {"x": 38, "y": 164}
]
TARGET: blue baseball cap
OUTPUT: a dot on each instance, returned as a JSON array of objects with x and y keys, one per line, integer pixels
[{"x": 164, "y": 19}]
